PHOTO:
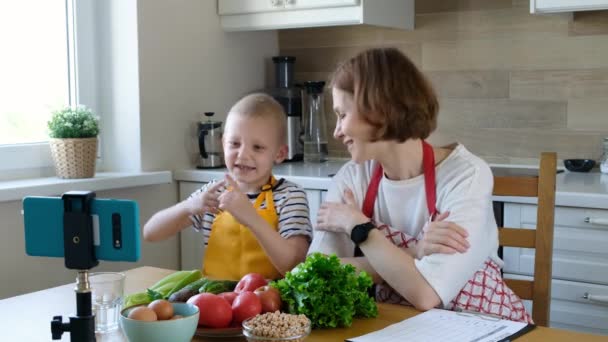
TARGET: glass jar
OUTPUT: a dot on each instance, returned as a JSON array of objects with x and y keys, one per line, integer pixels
[{"x": 604, "y": 158}]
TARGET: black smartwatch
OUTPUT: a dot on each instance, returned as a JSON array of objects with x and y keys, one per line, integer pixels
[{"x": 360, "y": 232}]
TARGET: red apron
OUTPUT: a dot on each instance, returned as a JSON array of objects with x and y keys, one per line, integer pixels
[{"x": 485, "y": 292}]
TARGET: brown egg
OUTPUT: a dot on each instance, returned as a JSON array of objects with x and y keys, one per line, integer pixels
[
  {"x": 143, "y": 313},
  {"x": 176, "y": 317},
  {"x": 163, "y": 309}
]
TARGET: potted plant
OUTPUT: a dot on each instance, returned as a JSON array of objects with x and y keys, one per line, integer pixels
[{"x": 73, "y": 132}]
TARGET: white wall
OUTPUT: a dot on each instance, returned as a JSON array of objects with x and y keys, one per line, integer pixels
[{"x": 186, "y": 65}]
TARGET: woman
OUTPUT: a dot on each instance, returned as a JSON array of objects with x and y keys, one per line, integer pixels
[{"x": 392, "y": 200}]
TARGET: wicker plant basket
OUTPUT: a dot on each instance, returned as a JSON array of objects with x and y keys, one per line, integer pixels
[{"x": 74, "y": 158}]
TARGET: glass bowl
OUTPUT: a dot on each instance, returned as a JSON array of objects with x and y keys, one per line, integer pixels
[{"x": 297, "y": 330}]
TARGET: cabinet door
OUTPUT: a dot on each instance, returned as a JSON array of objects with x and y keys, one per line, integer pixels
[
  {"x": 569, "y": 310},
  {"x": 551, "y": 6},
  {"x": 192, "y": 246},
  {"x": 579, "y": 247},
  {"x": 229, "y": 7}
]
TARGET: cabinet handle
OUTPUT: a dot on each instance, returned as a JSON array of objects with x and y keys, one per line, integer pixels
[
  {"x": 276, "y": 3},
  {"x": 597, "y": 221},
  {"x": 596, "y": 298},
  {"x": 290, "y": 2}
]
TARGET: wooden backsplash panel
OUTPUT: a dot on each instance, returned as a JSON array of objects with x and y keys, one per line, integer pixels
[
  {"x": 491, "y": 84},
  {"x": 447, "y": 26},
  {"x": 589, "y": 22},
  {"x": 502, "y": 113},
  {"x": 431, "y": 6},
  {"x": 521, "y": 53},
  {"x": 559, "y": 84},
  {"x": 511, "y": 84},
  {"x": 310, "y": 60},
  {"x": 522, "y": 143}
]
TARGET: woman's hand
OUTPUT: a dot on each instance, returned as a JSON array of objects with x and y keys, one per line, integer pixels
[
  {"x": 340, "y": 217},
  {"x": 237, "y": 203},
  {"x": 442, "y": 236},
  {"x": 207, "y": 201}
]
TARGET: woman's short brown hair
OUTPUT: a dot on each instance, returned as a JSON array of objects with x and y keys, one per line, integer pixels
[{"x": 390, "y": 93}]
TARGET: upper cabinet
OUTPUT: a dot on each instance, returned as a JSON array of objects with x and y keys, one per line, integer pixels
[
  {"x": 251, "y": 15},
  {"x": 553, "y": 6}
]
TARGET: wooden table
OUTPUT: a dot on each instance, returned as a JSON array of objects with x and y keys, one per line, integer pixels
[{"x": 27, "y": 317}]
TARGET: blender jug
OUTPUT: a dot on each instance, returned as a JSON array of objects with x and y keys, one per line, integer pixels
[
  {"x": 315, "y": 131},
  {"x": 290, "y": 97},
  {"x": 210, "y": 143}
]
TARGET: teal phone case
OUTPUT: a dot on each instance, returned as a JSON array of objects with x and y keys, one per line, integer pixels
[{"x": 43, "y": 221}]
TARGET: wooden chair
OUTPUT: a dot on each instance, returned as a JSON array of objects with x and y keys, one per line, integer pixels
[{"x": 541, "y": 239}]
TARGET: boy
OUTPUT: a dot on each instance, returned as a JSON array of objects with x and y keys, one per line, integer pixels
[{"x": 250, "y": 221}]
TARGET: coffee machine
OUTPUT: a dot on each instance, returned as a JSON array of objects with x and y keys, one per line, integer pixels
[
  {"x": 290, "y": 98},
  {"x": 211, "y": 153}
]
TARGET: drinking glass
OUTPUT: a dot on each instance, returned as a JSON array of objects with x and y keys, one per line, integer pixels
[{"x": 107, "y": 292}]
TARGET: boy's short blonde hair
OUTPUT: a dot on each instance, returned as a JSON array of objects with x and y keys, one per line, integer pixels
[{"x": 260, "y": 105}]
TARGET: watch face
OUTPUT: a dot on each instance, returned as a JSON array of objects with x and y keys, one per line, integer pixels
[{"x": 360, "y": 232}]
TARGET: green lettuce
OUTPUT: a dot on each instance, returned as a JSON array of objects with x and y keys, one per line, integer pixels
[{"x": 328, "y": 292}]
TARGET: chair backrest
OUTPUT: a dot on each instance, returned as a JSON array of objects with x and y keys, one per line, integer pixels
[{"x": 541, "y": 239}]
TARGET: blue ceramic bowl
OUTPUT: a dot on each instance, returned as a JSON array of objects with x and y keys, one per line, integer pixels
[
  {"x": 177, "y": 330},
  {"x": 579, "y": 165}
]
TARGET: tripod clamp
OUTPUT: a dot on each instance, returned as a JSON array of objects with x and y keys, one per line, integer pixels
[{"x": 79, "y": 253}]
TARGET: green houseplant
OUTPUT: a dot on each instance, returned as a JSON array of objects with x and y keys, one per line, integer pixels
[{"x": 73, "y": 132}]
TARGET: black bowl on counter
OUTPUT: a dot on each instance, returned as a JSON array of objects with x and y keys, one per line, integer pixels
[{"x": 579, "y": 165}]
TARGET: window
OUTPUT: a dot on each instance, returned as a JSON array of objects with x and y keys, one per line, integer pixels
[{"x": 40, "y": 72}]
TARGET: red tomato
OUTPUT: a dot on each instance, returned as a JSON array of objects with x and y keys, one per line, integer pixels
[
  {"x": 245, "y": 305},
  {"x": 228, "y": 296},
  {"x": 269, "y": 297},
  {"x": 215, "y": 312},
  {"x": 250, "y": 282}
]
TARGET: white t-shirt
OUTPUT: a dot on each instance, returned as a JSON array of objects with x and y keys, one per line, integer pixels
[{"x": 464, "y": 188}]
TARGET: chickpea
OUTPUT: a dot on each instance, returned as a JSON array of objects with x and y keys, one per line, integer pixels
[{"x": 278, "y": 325}]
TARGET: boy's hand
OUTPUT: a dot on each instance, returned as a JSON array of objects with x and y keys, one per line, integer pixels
[
  {"x": 237, "y": 203},
  {"x": 207, "y": 201}
]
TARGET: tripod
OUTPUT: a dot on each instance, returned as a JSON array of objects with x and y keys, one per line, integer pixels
[{"x": 79, "y": 254}]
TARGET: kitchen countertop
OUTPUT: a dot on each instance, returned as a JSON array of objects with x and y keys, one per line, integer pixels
[
  {"x": 316, "y": 176},
  {"x": 575, "y": 189}
]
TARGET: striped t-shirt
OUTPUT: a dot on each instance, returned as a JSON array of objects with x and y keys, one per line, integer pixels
[{"x": 290, "y": 202}]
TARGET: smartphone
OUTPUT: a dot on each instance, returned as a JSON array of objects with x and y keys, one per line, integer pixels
[{"x": 115, "y": 228}]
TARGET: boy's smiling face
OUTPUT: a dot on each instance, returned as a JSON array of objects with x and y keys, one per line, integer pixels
[{"x": 251, "y": 147}]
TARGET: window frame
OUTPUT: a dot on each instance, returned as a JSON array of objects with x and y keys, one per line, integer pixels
[{"x": 24, "y": 160}]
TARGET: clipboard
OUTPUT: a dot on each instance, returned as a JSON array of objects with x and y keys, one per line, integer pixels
[{"x": 444, "y": 325}]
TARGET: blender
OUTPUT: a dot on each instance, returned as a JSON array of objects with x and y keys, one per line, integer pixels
[{"x": 290, "y": 98}]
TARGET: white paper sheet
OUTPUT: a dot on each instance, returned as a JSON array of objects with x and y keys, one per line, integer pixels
[{"x": 443, "y": 325}]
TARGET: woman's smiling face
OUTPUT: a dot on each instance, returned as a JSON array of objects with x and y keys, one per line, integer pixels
[{"x": 351, "y": 129}]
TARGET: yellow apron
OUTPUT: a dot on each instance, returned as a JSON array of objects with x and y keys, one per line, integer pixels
[{"x": 232, "y": 249}]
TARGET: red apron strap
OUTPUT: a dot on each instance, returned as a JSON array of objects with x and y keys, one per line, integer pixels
[
  {"x": 372, "y": 191},
  {"x": 428, "y": 167}
]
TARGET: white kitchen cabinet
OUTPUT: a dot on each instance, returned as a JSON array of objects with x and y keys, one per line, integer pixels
[
  {"x": 251, "y": 15},
  {"x": 580, "y": 264},
  {"x": 555, "y": 6},
  {"x": 192, "y": 247},
  {"x": 314, "y": 202}
]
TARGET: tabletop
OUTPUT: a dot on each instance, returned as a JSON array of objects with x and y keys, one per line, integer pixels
[{"x": 27, "y": 317}]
